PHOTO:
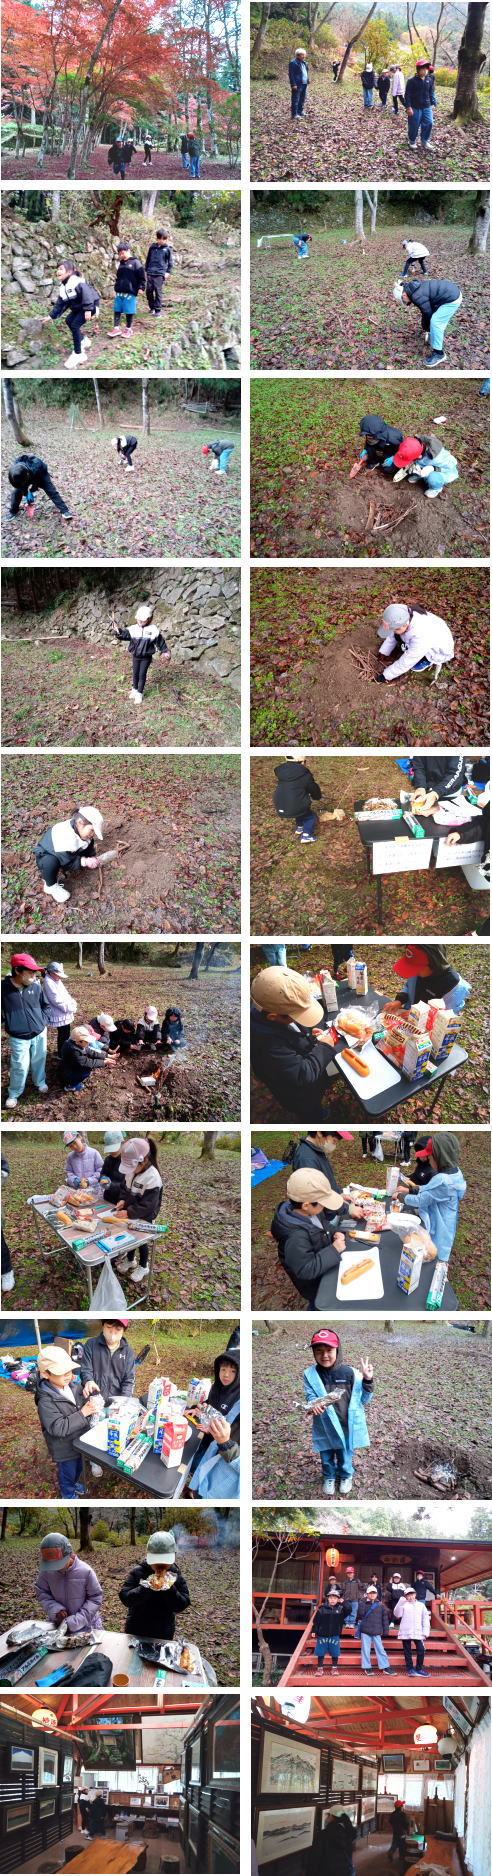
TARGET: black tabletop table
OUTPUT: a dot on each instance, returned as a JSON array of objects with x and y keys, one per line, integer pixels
[
  {"x": 390, "y": 1244},
  {"x": 374, "y": 830},
  {"x": 377, "y": 1106},
  {"x": 160, "y": 1481}
]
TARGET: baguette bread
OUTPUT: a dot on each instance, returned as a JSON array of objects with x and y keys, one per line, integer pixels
[
  {"x": 355, "y": 1061},
  {"x": 358, "y": 1270}
]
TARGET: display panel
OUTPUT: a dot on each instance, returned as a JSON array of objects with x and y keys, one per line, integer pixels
[
  {"x": 109, "y": 1752},
  {"x": 284, "y": 1833}
]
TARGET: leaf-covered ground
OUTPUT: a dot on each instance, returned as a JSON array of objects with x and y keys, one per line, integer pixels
[
  {"x": 431, "y": 1385},
  {"x": 463, "y": 1098},
  {"x": 198, "y": 1264},
  {"x": 180, "y": 816},
  {"x": 336, "y": 310},
  {"x": 179, "y": 1349},
  {"x": 76, "y": 695},
  {"x": 212, "y": 1576},
  {"x": 206, "y": 1087},
  {"x": 166, "y": 166},
  {"x": 338, "y": 138},
  {"x": 170, "y": 505},
  {"x": 304, "y": 440},
  {"x": 307, "y": 688},
  {"x": 470, "y": 1256},
  {"x": 327, "y": 884}
]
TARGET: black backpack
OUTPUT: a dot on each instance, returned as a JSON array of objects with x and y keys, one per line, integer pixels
[
  {"x": 96, "y": 1671},
  {"x": 288, "y": 1156}
]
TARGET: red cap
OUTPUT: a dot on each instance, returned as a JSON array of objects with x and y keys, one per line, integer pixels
[
  {"x": 425, "y": 62},
  {"x": 24, "y": 961},
  {"x": 412, "y": 962},
  {"x": 425, "y": 1153},
  {"x": 327, "y": 1337},
  {"x": 408, "y": 452},
  {"x": 204, "y": 449}
]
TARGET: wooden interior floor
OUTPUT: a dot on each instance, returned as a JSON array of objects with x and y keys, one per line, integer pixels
[
  {"x": 165, "y": 1845},
  {"x": 371, "y": 1856}
]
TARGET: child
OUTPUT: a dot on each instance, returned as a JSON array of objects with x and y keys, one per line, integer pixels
[
  {"x": 372, "y": 1627},
  {"x": 301, "y": 246},
  {"x": 185, "y": 152},
  {"x": 327, "y": 1627},
  {"x": 79, "y": 302},
  {"x": 194, "y": 152},
  {"x": 24, "y": 1016},
  {"x": 422, "y": 638},
  {"x": 306, "y": 1229},
  {"x": 141, "y": 1197},
  {"x": 294, "y": 794},
  {"x": 119, "y": 156},
  {"x": 125, "y": 447},
  {"x": 108, "y": 1362},
  {"x": 215, "y": 1467},
  {"x": 437, "y": 1202},
  {"x": 414, "y": 1620},
  {"x": 339, "y": 1422},
  {"x": 427, "y": 973},
  {"x": 105, "y": 1032},
  {"x": 143, "y": 639},
  {"x": 172, "y": 1031},
  {"x": 368, "y": 80},
  {"x": 63, "y": 1415},
  {"x": 7, "y": 1275},
  {"x": 155, "y": 1592},
  {"x": 417, "y": 255},
  {"x": 126, "y": 1036},
  {"x": 148, "y": 1031},
  {"x": 110, "y": 1170},
  {"x": 384, "y": 82},
  {"x": 68, "y": 1590},
  {"x": 78, "y": 1057},
  {"x": 419, "y": 99},
  {"x": 219, "y": 454},
  {"x": 61, "y": 1006},
  {"x": 423, "y": 459},
  {"x": 84, "y": 1163},
  {"x": 158, "y": 264},
  {"x": 130, "y": 281},
  {"x": 381, "y": 440},
  {"x": 66, "y": 847},
  {"x": 397, "y": 86},
  {"x": 148, "y": 146},
  {"x": 437, "y": 302},
  {"x": 28, "y": 474}
]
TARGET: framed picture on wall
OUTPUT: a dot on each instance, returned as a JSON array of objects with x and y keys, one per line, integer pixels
[
  {"x": 47, "y": 1766},
  {"x": 369, "y": 1778},
  {"x": 289, "y": 1764},
  {"x": 195, "y": 1760},
  {"x": 225, "y": 1746},
  {"x": 284, "y": 1833},
  {"x": 421, "y": 1765},
  {"x": 344, "y": 1775},
  {"x": 367, "y": 1809},
  {"x": 67, "y": 1773}
]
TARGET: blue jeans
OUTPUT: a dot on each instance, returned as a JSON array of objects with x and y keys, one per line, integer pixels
[
  {"x": 224, "y": 457},
  {"x": 368, "y": 99},
  {"x": 420, "y": 120},
  {"x": 366, "y": 1643},
  {"x": 275, "y": 954},
  {"x": 308, "y": 823},
  {"x": 195, "y": 165},
  {"x": 336, "y": 1465},
  {"x": 185, "y": 159},
  {"x": 25, "y": 1055},
  {"x": 440, "y": 319},
  {"x": 352, "y": 1617},
  {"x": 297, "y": 100},
  {"x": 69, "y": 1471}
]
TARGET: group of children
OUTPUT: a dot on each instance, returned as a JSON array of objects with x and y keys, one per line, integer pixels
[
  {"x": 129, "y": 1179},
  {"x": 309, "y": 1224},
  {"x": 78, "y": 301},
  {"x": 29, "y": 473},
  {"x": 414, "y": 458},
  {"x": 36, "y": 998},
  {"x": 363, "y": 1609},
  {"x": 70, "y": 1594},
  {"x": 66, "y": 1386}
]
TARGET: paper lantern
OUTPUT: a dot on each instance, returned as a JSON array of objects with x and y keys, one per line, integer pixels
[
  {"x": 447, "y": 1745},
  {"x": 332, "y": 1558},
  {"x": 425, "y": 1736},
  {"x": 43, "y": 1716}
]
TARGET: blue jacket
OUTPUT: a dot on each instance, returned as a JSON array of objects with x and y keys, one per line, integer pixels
[
  {"x": 215, "y": 1477},
  {"x": 419, "y": 92},
  {"x": 327, "y": 1429},
  {"x": 297, "y": 68},
  {"x": 437, "y": 1205}
]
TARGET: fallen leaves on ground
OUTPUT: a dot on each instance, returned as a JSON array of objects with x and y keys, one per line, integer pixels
[{"x": 337, "y": 138}]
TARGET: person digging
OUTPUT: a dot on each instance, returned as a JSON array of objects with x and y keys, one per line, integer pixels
[
  {"x": 68, "y": 846},
  {"x": 437, "y": 301}
]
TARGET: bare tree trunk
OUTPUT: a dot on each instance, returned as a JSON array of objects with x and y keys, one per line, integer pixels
[
  {"x": 354, "y": 41},
  {"x": 260, "y": 35},
  {"x": 13, "y": 413},
  {"x": 145, "y": 405},
  {"x": 85, "y": 1515},
  {"x": 478, "y": 240},
  {"x": 98, "y": 401},
  {"x": 373, "y": 205},
  {"x": 210, "y": 956},
  {"x": 359, "y": 213},
  {"x": 80, "y": 956},
  {"x": 133, "y": 1533},
  {"x": 197, "y": 958},
  {"x": 55, "y": 204},
  {"x": 5, "y": 1513},
  {"x": 101, "y": 959},
  {"x": 79, "y": 125},
  {"x": 149, "y": 199},
  {"x": 471, "y": 60},
  {"x": 208, "y": 1143}
]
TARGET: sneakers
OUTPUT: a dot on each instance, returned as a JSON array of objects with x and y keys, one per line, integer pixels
[
  {"x": 431, "y": 494},
  {"x": 435, "y": 358},
  {"x": 306, "y": 839},
  {"x": 345, "y": 1487},
  {"x": 123, "y": 1263},
  {"x": 42, "y": 1087},
  {"x": 96, "y": 1471},
  {"x": 421, "y": 1674},
  {"x": 133, "y": 694},
  {"x": 8, "y": 1280},
  {"x": 329, "y": 1488},
  {"x": 138, "y": 696},
  {"x": 138, "y": 1275},
  {"x": 12, "y": 1101},
  {"x": 58, "y": 893},
  {"x": 115, "y": 333},
  {"x": 74, "y": 360}
]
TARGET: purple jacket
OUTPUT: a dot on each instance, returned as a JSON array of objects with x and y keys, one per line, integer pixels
[
  {"x": 86, "y": 1165},
  {"x": 77, "y": 1590}
]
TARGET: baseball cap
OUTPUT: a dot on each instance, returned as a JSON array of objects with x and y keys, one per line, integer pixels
[
  {"x": 424, "y": 1152},
  {"x": 54, "y": 1550},
  {"x": 408, "y": 452},
  {"x": 106, "y": 1020},
  {"x": 122, "y": 1320},
  {"x": 423, "y": 63},
  {"x": 54, "y": 1360},
  {"x": 94, "y": 819},
  {"x": 285, "y": 993},
  {"x": 328, "y": 1337},
  {"x": 308, "y": 1184},
  {"x": 161, "y": 1547},
  {"x": 114, "y": 1137},
  {"x": 396, "y": 615},
  {"x": 412, "y": 961},
  {"x": 132, "y": 1152},
  {"x": 56, "y": 970},
  {"x": 24, "y": 961}
]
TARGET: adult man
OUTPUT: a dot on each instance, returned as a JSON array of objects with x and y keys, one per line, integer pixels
[
  {"x": 437, "y": 301},
  {"x": 293, "y": 796},
  {"x": 422, "y": 639},
  {"x": 414, "y": 1622},
  {"x": 24, "y": 1015},
  {"x": 108, "y": 1361},
  {"x": 298, "y": 81},
  {"x": 372, "y": 1626}
]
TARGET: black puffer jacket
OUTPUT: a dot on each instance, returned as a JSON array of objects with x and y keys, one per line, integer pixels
[
  {"x": 296, "y": 789},
  {"x": 428, "y": 294},
  {"x": 305, "y": 1246},
  {"x": 25, "y": 1011},
  {"x": 292, "y": 1064},
  {"x": 160, "y": 255},
  {"x": 419, "y": 92},
  {"x": 151, "y": 1612},
  {"x": 443, "y": 774},
  {"x": 380, "y": 435},
  {"x": 130, "y": 276},
  {"x": 373, "y": 1618},
  {"x": 27, "y": 472},
  {"x": 113, "y": 1370},
  {"x": 61, "y": 1419}
]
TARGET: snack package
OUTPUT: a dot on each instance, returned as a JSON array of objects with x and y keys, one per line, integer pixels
[
  {"x": 392, "y": 1181},
  {"x": 135, "y": 1452},
  {"x": 410, "y": 1265},
  {"x": 174, "y": 1434}
]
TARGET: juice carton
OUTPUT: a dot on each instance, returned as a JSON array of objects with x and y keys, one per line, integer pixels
[
  {"x": 329, "y": 992},
  {"x": 357, "y": 976},
  {"x": 123, "y": 1416},
  {"x": 417, "y": 1055},
  {"x": 160, "y": 1386},
  {"x": 392, "y": 1181},
  {"x": 198, "y": 1390},
  {"x": 410, "y": 1265},
  {"x": 174, "y": 1434}
]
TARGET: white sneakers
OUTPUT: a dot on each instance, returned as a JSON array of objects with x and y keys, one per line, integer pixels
[
  {"x": 329, "y": 1488},
  {"x": 58, "y": 893},
  {"x": 345, "y": 1487},
  {"x": 137, "y": 1275},
  {"x": 8, "y": 1281},
  {"x": 12, "y": 1101},
  {"x": 136, "y": 696}
]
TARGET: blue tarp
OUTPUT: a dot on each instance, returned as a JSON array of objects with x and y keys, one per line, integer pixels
[
  {"x": 267, "y": 1172},
  {"x": 16, "y": 1332}
]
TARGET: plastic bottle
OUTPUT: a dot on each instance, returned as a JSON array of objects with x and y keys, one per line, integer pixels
[{"x": 438, "y": 1285}]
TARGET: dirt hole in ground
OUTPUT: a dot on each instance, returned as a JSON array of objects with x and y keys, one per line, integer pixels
[{"x": 472, "y": 1471}]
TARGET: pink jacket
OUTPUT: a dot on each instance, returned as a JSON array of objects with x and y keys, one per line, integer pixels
[{"x": 61, "y": 1005}]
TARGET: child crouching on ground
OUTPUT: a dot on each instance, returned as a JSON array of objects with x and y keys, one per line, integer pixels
[
  {"x": 338, "y": 1395},
  {"x": 125, "y": 447},
  {"x": 218, "y": 454},
  {"x": 148, "y": 1030},
  {"x": 79, "y": 1055},
  {"x": 63, "y": 1416}
]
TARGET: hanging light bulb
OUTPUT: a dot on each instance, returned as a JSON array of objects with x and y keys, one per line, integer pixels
[
  {"x": 425, "y": 1736},
  {"x": 447, "y": 1745}
]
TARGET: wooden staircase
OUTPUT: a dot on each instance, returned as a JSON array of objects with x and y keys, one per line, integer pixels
[{"x": 447, "y": 1662}]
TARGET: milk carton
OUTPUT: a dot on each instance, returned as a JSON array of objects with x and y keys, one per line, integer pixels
[
  {"x": 174, "y": 1434},
  {"x": 160, "y": 1386},
  {"x": 392, "y": 1181},
  {"x": 329, "y": 992},
  {"x": 410, "y": 1265},
  {"x": 123, "y": 1415},
  {"x": 357, "y": 976},
  {"x": 198, "y": 1390},
  {"x": 416, "y": 1056}
]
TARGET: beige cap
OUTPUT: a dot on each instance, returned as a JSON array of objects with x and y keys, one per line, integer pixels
[
  {"x": 285, "y": 993},
  {"x": 53, "y": 1360},
  {"x": 310, "y": 1184}
]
